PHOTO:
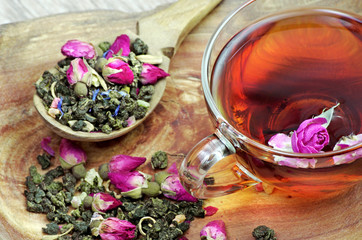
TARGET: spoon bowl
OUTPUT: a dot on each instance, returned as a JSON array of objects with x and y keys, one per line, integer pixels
[{"x": 163, "y": 32}]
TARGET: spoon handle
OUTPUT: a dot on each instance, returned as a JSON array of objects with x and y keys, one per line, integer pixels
[{"x": 165, "y": 30}]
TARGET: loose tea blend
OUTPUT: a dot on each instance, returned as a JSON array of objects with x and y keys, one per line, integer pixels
[
  {"x": 100, "y": 88},
  {"x": 91, "y": 207}
]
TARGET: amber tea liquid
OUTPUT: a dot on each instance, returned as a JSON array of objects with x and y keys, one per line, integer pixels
[{"x": 284, "y": 69}]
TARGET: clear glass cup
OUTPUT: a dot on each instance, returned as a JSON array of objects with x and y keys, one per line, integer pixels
[{"x": 228, "y": 161}]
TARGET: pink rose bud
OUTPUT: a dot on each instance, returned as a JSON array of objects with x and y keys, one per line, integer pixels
[
  {"x": 45, "y": 145},
  {"x": 117, "y": 71},
  {"x": 214, "y": 230},
  {"x": 78, "y": 71},
  {"x": 210, "y": 210},
  {"x": 103, "y": 202},
  {"x": 115, "y": 229},
  {"x": 173, "y": 189},
  {"x": 150, "y": 74},
  {"x": 130, "y": 183},
  {"x": 311, "y": 136},
  {"x": 121, "y": 163},
  {"x": 122, "y": 42},
  {"x": 70, "y": 154},
  {"x": 78, "y": 49}
]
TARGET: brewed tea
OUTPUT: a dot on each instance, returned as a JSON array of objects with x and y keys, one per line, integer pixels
[
  {"x": 284, "y": 69},
  {"x": 287, "y": 68}
]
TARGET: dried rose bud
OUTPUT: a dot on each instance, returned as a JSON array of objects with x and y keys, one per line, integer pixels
[
  {"x": 173, "y": 189},
  {"x": 71, "y": 154},
  {"x": 78, "y": 49},
  {"x": 130, "y": 183},
  {"x": 113, "y": 228},
  {"x": 125, "y": 163},
  {"x": 45, "y": 145},
  {"x": 117, "y": 71},
  {"x": 214, "y": 230},
  {"x": 311, "y": 136},
  {"x": 78, "y": 71},
  {"x": 121, "y": 42},
  {"x": 150, "y": 74},
  {"x": 103, "y": 202},
  {"x": 171, "y": 186}
]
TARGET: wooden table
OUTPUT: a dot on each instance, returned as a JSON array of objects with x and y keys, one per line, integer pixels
[{"x": 179, "y": 122}]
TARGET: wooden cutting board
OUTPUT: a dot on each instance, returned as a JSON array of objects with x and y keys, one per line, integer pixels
[{"x": 179, "y": 122}]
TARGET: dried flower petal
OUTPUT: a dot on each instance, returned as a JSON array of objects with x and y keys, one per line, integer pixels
[
  {"x": 77, "y": 49},
  {"x": 115, "y": 229},
  {"x": 131, "y": 120},
  {"x": 311, "y": 136},
  {"x": 45, "y": 145},
  {"x": 121, "y": 163},
  {"x": 78, "y": 71},
  {"x": 121, "y": 42},
  {"x": 173, "y": 169},
  {"x": 117, "y": 71},
  {"x": 103, "y": 202},
  {"x": 281, "y": 141},
  {"x": 150, "y": 74},
  {"x": 71, "y": 154},
  {"x": 78, "y": 199},
  {"x": 345, "y": 142},
  {"x": 214, "y": 230},
  {"x": 55, "y": 102},
  {"x": 210, "y": 210}
]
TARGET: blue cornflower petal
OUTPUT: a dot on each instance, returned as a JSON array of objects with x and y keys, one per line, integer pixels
[
  {"x": 95, "y": 93},
  {"x": 116, "y": 111},
  {"x": 123, "y": 93},
  {"x": 60, "y": 107},
  {"x": 106, "y": 94},
  {"x": 106, "y": 52}
]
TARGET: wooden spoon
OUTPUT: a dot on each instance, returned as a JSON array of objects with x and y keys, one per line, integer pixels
[{"x": 163, "y": 32}]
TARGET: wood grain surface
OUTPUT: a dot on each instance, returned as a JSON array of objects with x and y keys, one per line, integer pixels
[{"x": 178, "y": 122}]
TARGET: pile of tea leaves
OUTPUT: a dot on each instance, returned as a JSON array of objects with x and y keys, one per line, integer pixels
[
  {"x": 70, "y": 205},
  {"x": 100, "y": 88}
]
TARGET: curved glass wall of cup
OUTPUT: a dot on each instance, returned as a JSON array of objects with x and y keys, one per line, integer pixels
[{"x": 249, "y": 12}]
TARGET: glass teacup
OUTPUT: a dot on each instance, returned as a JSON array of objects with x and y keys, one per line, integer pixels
[{"x": 266, "y": 70}]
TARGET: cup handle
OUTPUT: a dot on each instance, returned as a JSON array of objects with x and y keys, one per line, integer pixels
[{"x": 210, "y": 169}]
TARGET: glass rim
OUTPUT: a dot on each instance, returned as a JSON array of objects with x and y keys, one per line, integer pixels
[{"x": 206, "y": 76}]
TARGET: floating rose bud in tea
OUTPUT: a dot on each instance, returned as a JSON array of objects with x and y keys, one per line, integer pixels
[
  {"x": 311, "y": 136},
  {"x": 117, "y": 71},
  {"x": 78, "y": 49}
]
